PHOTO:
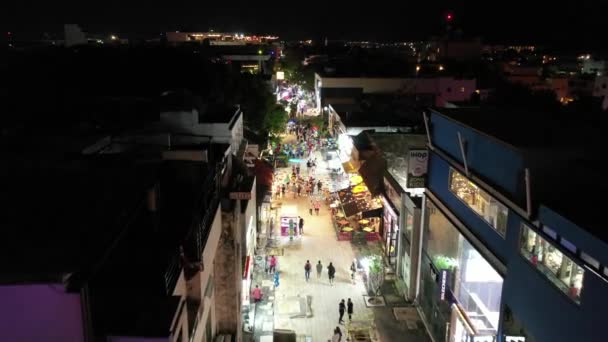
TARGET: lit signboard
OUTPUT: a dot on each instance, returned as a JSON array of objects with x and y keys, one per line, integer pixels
[
  {"x": 509, "y": 338},
  {"x": 416, "y": 168},
  {"x": 280, "y": 75},
  {"x": 443, "y": 283}
]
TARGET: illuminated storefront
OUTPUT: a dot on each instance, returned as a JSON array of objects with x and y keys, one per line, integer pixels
[
  {"x": 460, "y": 292},
  {"x": 549, "y": 260},
  {"x": 484, "y": 205}
]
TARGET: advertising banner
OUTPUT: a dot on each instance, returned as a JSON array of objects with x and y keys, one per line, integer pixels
[{"x": 416, "y": 168}]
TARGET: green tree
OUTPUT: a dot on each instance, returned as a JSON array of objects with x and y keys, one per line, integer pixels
[{"x": 275, "y": 119}]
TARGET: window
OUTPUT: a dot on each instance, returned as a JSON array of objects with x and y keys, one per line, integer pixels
[
  {"x": 568, "y": 245},
  {"x": 492, "y": 211},
  {"x": 590, "y": 260},
  {"x": 550, "y": 232},
  {"x": 462, "y": 89},
  {"x": 564, "y": 273}
]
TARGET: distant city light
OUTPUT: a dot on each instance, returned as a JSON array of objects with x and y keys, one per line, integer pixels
[
  {"x": 441, "y": 68},
  {"x": 113, "y": 37},
  {"x": 417, "y": 68},
  {"x": 449, "y": 17},
  {"x": 259, "y": 52}
]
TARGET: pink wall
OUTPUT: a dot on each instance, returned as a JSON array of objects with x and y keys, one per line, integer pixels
[{"x": 39, "y": 312}]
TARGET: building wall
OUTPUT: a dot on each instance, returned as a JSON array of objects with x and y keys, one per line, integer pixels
[
  {"x": 444, "y": 88},
  {"x": 454, "y": 90},
  {"x": 438, "y": 183},
  {"x": 489, "y": 158},
  {"x": 545, "y": 312},
  {"x": 40, "y": 312},
  {"x": 74, "y": 35},
  {"x": 600, "y": 87},
  {"x": 208, "y": 280},
  {"x": 228, "y": 275},
  {"x": 182, "y": 316}
]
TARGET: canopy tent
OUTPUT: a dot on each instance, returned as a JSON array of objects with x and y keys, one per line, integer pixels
[
  {"x": 350, "y": 166},
  {"x": 357, "y": 199}
]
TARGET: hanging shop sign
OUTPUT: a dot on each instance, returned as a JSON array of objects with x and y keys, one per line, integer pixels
[{"x": 416, "y": 168}]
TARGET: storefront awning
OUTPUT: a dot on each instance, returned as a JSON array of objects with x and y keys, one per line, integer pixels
[{"x": 350, "y": 166}]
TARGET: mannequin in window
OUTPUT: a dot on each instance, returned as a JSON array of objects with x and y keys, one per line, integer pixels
[
  {"x": 534, "y": 258},
  {"x": 573, "y": 290}
]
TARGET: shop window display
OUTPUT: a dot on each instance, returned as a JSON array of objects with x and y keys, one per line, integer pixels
[
  {"x": 564, "y": 273},
  {"x": 486, "y": 206},
  {"x": 472, "y": 290}
]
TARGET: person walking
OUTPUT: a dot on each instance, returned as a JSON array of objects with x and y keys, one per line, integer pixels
[
  {"x": 257, "y": 294},
  {"x": 310, "y": 207},
  {"x": 349, "y": 309},
  {"x": 317, "y": 207},
  {"x": 331, "y": 272},
  {"x": 319, "y": 269},
  {"x": 341, "y": 309},
  {"x": 273, "y": 264},
  {"x": 307, "y": 268},
  {"x": 283, "y": 190},
  {"x": 353, "y": 270},
  {"x": 299, "y": 189},
  {"x": 301, "y": 225},
  {"x": 319, "y": 186}
]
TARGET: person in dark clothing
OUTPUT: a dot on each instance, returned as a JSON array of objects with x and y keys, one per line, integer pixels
[
  {"x": 349, "y": 309},
  {"x": 331, "y": 272},
  {"x": 301, "y": 225},
  {"x": 341, "y": 309},
  {"x": 307, "y": 268}
]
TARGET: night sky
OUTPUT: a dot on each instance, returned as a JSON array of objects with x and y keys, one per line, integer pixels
[{"x": 581, "y": 24}]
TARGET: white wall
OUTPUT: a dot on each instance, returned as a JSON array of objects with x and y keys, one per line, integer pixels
[
  {"x": 205, "y": 276},
  {"x": 251, "y": 222},
  {"x": 437, "y": 86},
  {"x": 182, "y": 291}
]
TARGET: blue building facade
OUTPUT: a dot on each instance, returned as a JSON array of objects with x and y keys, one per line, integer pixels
[{"x": 495, "y": 265}]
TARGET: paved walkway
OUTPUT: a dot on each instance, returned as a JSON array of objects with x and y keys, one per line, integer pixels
[{"x": 319, "y": 242}]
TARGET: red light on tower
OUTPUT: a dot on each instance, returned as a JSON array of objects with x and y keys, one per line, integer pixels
[{"x": 449, "y": 17}]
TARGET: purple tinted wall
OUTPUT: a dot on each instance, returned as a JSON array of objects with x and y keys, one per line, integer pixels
[
  {"x": 39, "y": 312},
  {"x": 138, "y": 339}
]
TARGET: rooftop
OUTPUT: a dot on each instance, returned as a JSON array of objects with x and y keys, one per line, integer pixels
[
  {"x": 219, "y": 114},
  {"x": 379, "y": 112},
  {"x": 523, "y": 128}
]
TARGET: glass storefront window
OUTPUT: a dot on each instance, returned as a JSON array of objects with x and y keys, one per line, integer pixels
[
  {"x": 564, "y": 273},
  {"x": 486, "y": 206},
  {"x": 473, "y": 285}
]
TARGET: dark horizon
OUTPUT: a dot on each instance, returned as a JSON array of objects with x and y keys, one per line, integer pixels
[{"x": 519, "y": 23}]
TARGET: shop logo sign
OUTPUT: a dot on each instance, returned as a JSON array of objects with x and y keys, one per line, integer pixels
[
  {"x": 417, "y": 168},
  {"x": 443, "y": 283}
]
